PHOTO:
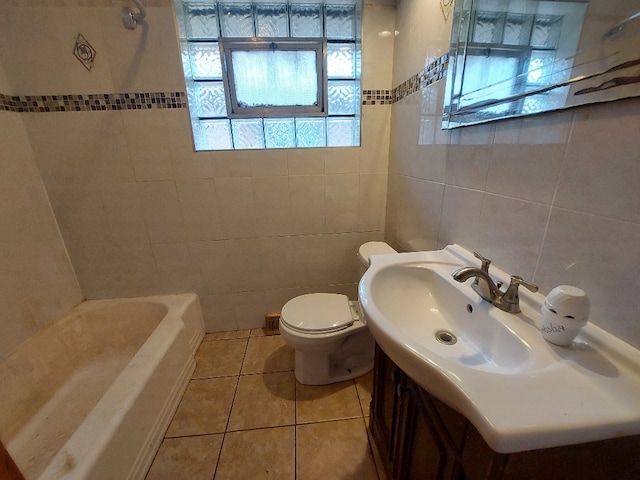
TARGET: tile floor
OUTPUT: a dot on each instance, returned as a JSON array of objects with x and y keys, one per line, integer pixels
[{"x": 244, "y": 416}]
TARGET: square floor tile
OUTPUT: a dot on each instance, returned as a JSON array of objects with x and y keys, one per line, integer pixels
[
  {"x": 268, "y": 453},
  {"x": 276, "y": 428},
  {"x": 204, "y": 408},
  {"x": 219, "y": 358},
  {"x": 268, "y": 354},
  {"x": 264, "y": 400},
  {"x": 194, "y": 458},
  {"x": 334, "y": 451},
  {"x": 326, "y": 402}
]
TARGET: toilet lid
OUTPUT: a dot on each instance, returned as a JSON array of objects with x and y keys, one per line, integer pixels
[{"x": 318, "y": 312}]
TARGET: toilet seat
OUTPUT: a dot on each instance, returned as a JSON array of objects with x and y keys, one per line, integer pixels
[{"x": 318, "y": 313}]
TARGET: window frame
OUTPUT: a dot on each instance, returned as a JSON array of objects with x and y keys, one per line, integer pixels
[{"x": 228, "y": 45}]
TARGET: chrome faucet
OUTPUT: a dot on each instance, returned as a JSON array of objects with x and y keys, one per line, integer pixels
[{"x": 507, "y": 301}]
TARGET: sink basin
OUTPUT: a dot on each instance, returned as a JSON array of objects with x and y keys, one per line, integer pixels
[
  {"x": 421, "y": 304},
  {"x": 519, "y": 391}
]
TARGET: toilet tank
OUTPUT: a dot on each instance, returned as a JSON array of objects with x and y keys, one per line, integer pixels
[{"x": 371, "y": 248}]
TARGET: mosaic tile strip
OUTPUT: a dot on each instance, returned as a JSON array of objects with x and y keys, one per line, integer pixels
[
  {"x": 377, "y": 97},
  {"x": 80, "y": 3},
  {"x": 435, "y": 71},
  {"x": 6, "y": 103},
  {"x": 96, "y": 102}
]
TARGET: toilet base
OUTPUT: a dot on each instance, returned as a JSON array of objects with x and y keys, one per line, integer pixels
[{"x": 352, "y": 359}]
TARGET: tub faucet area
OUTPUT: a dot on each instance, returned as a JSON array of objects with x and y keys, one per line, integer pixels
[{"x": 507, "y": 301}]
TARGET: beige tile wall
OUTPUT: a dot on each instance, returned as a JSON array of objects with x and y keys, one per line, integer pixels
[
  {"x": 141, "y": 213},
  {"x": 37, "y": 282},
  {"x": 552, "y": 197}
]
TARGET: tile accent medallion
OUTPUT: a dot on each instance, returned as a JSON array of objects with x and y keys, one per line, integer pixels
[
  {"x": 84, "y": 52},
  {"x": 436, "y": 70}
]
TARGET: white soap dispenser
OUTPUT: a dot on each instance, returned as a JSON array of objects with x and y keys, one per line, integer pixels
[{"x": 564, "y": 312}]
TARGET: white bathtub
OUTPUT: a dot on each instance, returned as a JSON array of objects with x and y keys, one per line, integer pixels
[{"x": 91, "y": 396}]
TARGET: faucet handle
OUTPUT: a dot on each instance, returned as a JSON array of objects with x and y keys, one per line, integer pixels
[
  {"x": 485, "y": 262},
  {"x": 510, "y": 298},
  {"x": 517, "y": 280}
]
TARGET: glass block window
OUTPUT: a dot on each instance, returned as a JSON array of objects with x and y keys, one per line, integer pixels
[
  {"x": 501, "y": 28},
  {"x": 509, "y": 53},
  {"x": 230, "y": 102}
]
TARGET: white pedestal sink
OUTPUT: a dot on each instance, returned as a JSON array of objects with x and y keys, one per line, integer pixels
[{"x": 518, "y": 390}]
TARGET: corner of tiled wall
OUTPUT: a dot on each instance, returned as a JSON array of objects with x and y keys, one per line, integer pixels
[
  {"x": 141, "y": 213},
  {"x": 550, "y": 197}
]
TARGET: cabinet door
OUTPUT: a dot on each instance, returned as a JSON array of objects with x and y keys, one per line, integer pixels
[
  {"x": 425, "y": 451},
  {"x": 410, "y": 427},
  {"x": 384, "y": 408}
]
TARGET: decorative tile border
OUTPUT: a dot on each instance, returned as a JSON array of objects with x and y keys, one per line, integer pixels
[
  {"x": 96, "y": 102},
  {"x": 436, "y": 70},
  {"x": 377, "y": 97},
  {"x": 80, "y": 3}
]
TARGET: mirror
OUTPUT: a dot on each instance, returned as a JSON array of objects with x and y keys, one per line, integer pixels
[{"x": 511, "y": 58}]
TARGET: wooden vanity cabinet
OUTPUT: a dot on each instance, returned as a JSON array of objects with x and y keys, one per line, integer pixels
[
  {"x": 420, "y": 438},
  {"x": 417, "y": 436}
]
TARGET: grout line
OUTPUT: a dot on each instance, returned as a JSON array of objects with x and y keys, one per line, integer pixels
[
  {"x": 369, "y": 438},
  {"x": 355, "y": 385},
  {"x": 264, "y": 373},
  {"x": 255, "y": 429},
  {"x": 377, "y": 461},
  {"x": 212, "y": 377},
  {"x": 552, "y": 205},
  {"x": 295, "y": 428},
  {"x": 192, "y": 435},
  {"x": 328, "y": 420},
  {"x": 209, "y": 340},
  {"x": 369, "y": 444},
  {"x": 233, "y": 399}
]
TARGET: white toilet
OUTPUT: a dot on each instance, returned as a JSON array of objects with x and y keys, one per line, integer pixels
[{"x": 328, "y": 333}]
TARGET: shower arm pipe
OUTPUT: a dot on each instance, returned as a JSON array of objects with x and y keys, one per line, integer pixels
[{"x": 131, "y": 18}]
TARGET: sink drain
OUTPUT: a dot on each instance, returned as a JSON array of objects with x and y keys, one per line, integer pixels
[{"x": 446, "y": 337}]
